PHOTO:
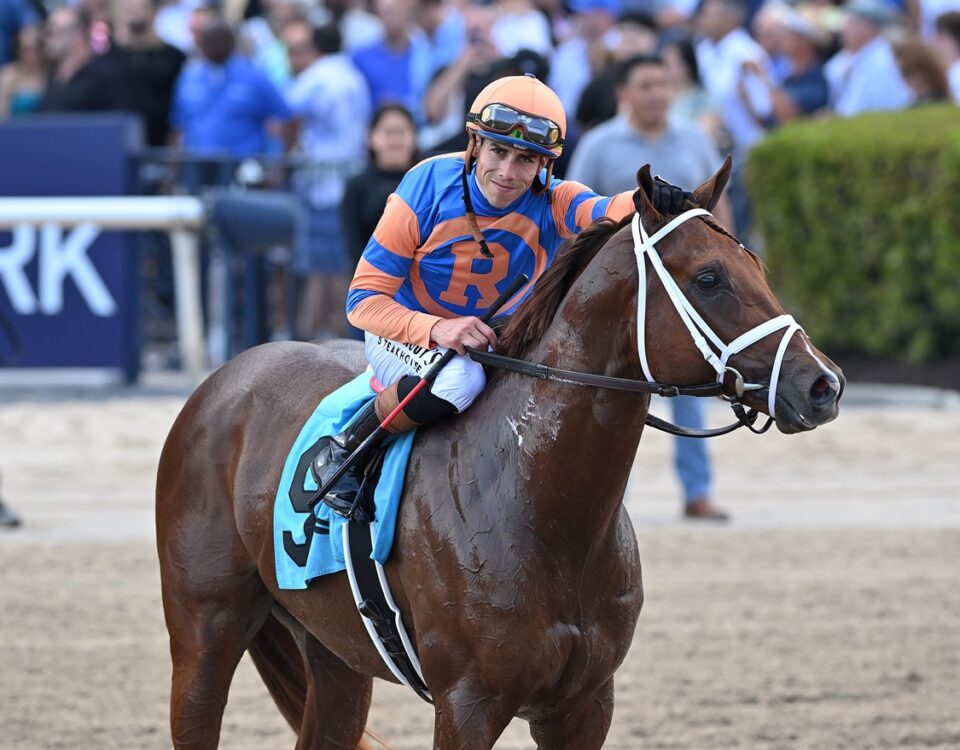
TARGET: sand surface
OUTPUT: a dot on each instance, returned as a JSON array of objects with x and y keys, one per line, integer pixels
[{"x": 827, "y": 615}]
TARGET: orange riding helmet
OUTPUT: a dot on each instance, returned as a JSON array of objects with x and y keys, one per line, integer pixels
[{"x": 521, "y": 112}]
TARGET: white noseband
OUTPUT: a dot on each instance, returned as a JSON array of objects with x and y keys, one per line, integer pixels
[{"x": 645, "y": 248}]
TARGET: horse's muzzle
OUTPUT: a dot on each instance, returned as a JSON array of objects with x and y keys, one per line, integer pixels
[{"x": 810, "y": 403}]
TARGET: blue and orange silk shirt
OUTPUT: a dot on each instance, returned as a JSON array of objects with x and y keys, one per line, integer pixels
[{"x": 422, "y": 263}]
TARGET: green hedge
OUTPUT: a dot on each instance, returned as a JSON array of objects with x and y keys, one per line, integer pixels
[{"x": 860, "y": 219}]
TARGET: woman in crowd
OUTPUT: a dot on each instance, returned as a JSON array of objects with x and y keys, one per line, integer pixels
[
  {"x": 23, "y": 80},
  {"x": 691, "y": 102},
  {"x": 393, "y": 146}
]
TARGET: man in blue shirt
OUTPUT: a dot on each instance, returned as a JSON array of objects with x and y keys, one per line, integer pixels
[
  {"x": 221, "y": 103},
  {"x": 865, "y": 59},
  {"x": 399, "y": 67}
]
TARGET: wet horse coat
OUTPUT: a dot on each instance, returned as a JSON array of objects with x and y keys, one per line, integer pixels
[{"x": 516, "y": 565}]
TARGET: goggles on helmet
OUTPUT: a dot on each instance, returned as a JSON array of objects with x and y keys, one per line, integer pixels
[{"x": 504, "y": 120}]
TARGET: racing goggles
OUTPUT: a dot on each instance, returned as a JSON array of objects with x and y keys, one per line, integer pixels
[{"x": 504, "y": 120}]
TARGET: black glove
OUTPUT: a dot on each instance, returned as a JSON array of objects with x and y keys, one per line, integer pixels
[{"x": 669, "y": 199}]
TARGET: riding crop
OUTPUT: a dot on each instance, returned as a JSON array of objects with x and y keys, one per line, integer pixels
[{"x": 428, "y": 378}]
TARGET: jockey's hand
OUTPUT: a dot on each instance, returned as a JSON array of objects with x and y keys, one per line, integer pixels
[
  {"x": 668, "y": 199},
  {"x": 456, "y": 333}
]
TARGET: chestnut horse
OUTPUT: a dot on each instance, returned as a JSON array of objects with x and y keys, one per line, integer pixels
[{"x": 515, "y": 563}]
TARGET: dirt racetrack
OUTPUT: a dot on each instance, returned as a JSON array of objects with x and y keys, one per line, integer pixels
[{"x": 827, "y": 615}]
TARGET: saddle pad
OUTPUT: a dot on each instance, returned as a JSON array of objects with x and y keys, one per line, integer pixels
[{"x": 325, "y": 554}]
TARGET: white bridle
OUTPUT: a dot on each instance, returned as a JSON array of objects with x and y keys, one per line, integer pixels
[{"x": 645, "y": 248}]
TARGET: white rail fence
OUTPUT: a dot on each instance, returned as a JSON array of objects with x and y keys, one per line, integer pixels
[{"x": 183, "y": 217}]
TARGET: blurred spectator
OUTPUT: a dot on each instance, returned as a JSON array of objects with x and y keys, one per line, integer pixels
[
  {"x": 584, "y": 54},
  {"x": 767, "y": 29},
  {"x": 636, "y": 34},
  {"x": 149, "y": 66},
  {"x": 455, "y": 87},
  {"x": 445, "y": 30},
  {"x": 607, "y": 159},
  {"x": 924, "y": 14},
  {"x": 359, "y": 27},
  {"x": 397, "y": 68},
  {"x": 222, "y": 104},
  {"x": 923, "y": 70},
  {"x": 691, "y": 101},
  {"x": 520, "y": 25},
  {"x": 673, "y": 15},
  {"x": 804, "y": 90},
  {"x": 175, "y": 23},
  {"x": 330, "y": 103},
  {"x": 259, "y": 44},
  {"x": 864, "y": 59},
  {"x": 15, "y": 15},
  {"x": 99, "y": 18},
  {"x": 557, "y": 19},
  {"x": 23, "y": 80},
  {"x": 79, "y": 81},
  {"x": 947, "y": 43},
  {"x": 723, "y": 56},
  {"x": 722, "y": 52},
  {"x": 393, "y": 149}
]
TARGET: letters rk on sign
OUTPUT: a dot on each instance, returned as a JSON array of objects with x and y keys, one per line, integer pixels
[{"x": 70, "y": 293}]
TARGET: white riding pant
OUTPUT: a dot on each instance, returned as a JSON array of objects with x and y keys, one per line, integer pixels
[{"x": 460, "y": 382}]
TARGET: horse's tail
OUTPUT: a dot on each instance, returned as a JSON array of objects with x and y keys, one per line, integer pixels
[{"x": 278, "y": 660}]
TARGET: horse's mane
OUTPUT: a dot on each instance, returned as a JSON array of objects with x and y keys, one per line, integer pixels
[{"x": 531, "y": 320}]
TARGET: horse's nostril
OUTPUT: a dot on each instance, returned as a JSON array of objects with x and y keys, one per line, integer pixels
[{"x": 824, "y": 390}]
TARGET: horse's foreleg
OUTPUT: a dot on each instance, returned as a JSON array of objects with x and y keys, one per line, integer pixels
[
  {"x": 583, "y": 727},
  {"x": 467, "y": 718}
]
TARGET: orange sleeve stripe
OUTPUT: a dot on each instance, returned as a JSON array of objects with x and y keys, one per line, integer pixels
[
  {"x": 563, "y": 197},
  {"x": 382, "y": 316},
  {"x": 398, "y": 229},
  {"x": 370, "y": 278},
  {"x": 585, "y": 211},
  {"x": 621, "y": 205}
]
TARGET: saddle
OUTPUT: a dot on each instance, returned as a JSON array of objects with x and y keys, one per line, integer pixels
[{"x": 371, "y": 592}]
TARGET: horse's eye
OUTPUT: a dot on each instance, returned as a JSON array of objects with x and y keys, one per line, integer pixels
[{"x": 708, "y": 281}]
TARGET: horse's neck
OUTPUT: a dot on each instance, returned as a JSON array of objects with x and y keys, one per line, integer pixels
[{"x": 572, "y": 447}]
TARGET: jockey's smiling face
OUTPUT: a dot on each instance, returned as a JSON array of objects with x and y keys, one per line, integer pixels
[{"x": 505, "y": 173}]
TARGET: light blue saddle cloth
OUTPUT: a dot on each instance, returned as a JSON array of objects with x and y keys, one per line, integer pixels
[{"x": 325, "y": 553}]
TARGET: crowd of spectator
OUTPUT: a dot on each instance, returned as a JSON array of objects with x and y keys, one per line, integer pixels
[{"x": 242, "y": 78}]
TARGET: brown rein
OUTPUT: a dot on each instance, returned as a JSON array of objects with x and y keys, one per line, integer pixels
[{"x": 745, "y": 417}]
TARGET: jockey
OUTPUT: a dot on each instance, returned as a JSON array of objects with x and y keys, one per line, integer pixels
[{"x": 458, "y": 228}]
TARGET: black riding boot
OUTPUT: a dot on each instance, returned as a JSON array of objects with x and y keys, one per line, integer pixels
[
  {"x": 425, "y": 407},
  {"x": 334, "y": 451}
]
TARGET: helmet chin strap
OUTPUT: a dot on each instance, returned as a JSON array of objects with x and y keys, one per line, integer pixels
[
  {"x": 645, "y": 249},
  {"x": 468, "y": 201}
]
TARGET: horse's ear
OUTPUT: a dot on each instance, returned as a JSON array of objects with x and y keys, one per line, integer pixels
[
  {"x": 643, "y": 197},
  {"x": 709, "y": 192}
]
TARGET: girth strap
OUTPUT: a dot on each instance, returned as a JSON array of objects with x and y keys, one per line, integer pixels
[{"x": 379, "y": 612}]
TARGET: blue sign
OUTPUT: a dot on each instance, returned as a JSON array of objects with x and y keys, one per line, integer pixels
[{"x": 69, "y": 293}]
